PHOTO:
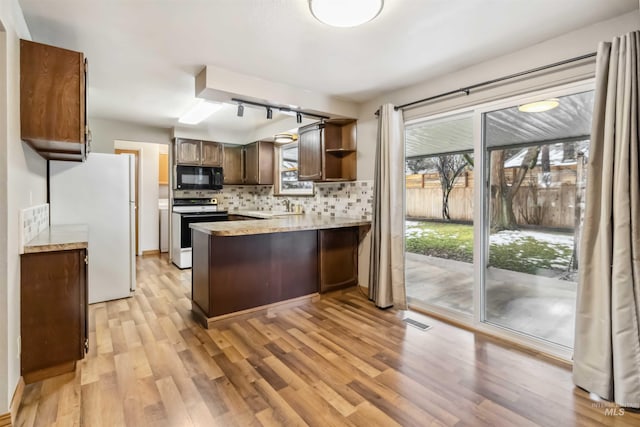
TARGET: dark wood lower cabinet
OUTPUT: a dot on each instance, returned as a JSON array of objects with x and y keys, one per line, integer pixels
[
  {"x": 235, "y": 273},
  {"x": 53, "y": 312},
  {"x": 338, "y": 248}
]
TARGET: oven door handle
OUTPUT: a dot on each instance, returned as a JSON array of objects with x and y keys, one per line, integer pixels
[{"x": 202, "y": 216}]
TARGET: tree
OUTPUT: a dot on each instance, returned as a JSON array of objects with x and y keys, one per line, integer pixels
[
  {"x": 449, "y": 167},
  {"x": 581, "y": 184},
  {"x": 502, "y": 216},
  {"x": 545, "y": 164},
  {"x": 418, "y": 165}
]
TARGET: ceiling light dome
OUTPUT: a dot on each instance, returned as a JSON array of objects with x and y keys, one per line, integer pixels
[
  {"x": 345, "y": 13},
  {"x": 539, "y": 106},
  {"x": 285, "y": 137}
]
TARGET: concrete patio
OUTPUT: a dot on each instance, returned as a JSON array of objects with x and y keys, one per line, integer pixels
[{"x": 540, "y": 306}]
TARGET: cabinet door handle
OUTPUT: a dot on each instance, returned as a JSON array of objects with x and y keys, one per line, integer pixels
[{"x": 86, "y": 260}]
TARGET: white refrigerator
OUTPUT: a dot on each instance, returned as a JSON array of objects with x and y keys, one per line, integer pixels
[{"x": 100, "y": 192}]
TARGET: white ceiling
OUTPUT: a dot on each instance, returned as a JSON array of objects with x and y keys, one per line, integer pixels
[{"x": 144, "y": 55}]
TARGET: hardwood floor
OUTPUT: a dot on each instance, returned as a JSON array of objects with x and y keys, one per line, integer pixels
[{"x": 335, "y": 361}]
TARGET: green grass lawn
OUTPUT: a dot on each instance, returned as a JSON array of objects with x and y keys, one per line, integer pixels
[{"x": 533, "y": 252}]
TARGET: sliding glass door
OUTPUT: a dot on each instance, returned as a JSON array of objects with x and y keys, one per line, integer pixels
[
  {"x": 439, "y": 214},
  {"x": 494, "y": 203},
  {"x": 536, "y": 177}
]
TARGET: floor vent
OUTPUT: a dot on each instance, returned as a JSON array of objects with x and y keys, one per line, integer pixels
[{"x": 416, "y": 324}]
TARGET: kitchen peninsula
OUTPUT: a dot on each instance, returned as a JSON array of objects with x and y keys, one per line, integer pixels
[{"x": 240, "y": 266}]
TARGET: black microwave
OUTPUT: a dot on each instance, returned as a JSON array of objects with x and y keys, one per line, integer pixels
[{"x": 198, "y": 178}]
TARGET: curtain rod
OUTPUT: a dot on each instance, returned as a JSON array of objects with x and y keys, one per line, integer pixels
[{"x": 468, "y": 89}]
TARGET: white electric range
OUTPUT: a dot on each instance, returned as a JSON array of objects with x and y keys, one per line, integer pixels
[{"x": 183, "y": 213}]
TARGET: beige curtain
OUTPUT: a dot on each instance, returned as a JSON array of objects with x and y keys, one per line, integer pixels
[
  {"x": 607, "y": 339},
  {"x": 386, "y": 266}
]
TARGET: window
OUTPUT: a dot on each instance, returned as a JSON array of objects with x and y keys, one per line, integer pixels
[{"x": 287, "y": 173}]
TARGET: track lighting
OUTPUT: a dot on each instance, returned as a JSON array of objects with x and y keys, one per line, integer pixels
[{"x": 290, "y": 110}]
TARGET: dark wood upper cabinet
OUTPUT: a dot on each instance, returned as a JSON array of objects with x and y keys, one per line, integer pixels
[
  {"x": 187, "y": 151},
  {"x": 53, "y": 312},
  {"x": 232, "y": 167},
  {"x": 211, "y": 153},
  {"x": 327, "y": 151},
  {"x": 251, "y": 164},
  {"x": 310, "y": 148},
  {"x": 198, "y": 153},
  {"x": 258, "y": 163},
  {"x": 53, "y": 101}
]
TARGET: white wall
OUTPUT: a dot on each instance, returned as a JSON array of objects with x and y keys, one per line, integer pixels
[
  {"x": 567, "y": 46},
  {"x": 105, "y": 131},
  {"x": 23, "y": 184},
  {"x": 4, "y": 321},
  {"x": 109, "y": 134},
  {"x": 570, "y": 45},
  {"x": 148, "y": 216}
]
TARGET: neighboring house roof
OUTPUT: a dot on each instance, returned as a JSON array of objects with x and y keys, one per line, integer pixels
[{"x": 556, "y": 155}]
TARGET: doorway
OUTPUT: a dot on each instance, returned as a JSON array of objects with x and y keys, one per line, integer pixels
[{"x": 136, "y": 156}]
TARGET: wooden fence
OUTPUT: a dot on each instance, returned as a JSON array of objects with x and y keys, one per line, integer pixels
[{"x": 550, "y": 205}]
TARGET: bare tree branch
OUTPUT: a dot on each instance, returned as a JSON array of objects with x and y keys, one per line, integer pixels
[{"x": 529, "y": 162}]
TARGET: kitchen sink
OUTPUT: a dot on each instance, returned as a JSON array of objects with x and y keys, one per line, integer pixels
[{"x": 280, "y": 213}]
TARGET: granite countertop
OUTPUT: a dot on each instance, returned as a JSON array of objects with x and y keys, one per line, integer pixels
[
  {"x": 59, "y": 238},
  {"x": 277, "y": 224}
]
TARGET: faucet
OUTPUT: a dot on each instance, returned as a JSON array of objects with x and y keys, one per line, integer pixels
[{"x": 287, "y": 204}]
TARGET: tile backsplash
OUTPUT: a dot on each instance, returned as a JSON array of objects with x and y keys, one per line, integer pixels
[
  {"x": 33, "y": 220},
  {"x": 344, "y": 199}
]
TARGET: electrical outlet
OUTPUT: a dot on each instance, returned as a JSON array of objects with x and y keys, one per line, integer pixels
[{"x": 19, "y": 346}]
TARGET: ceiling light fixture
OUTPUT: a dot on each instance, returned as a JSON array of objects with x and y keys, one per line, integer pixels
[
  {"x": 285, "y": 138},
  {"x": 269, "y": 113},
  {"x": 345, "y": 13},
  {"x": 240, "y": 110},
  {"x": 200, "y": 111},
  {"x": 539, "y": 106}
]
